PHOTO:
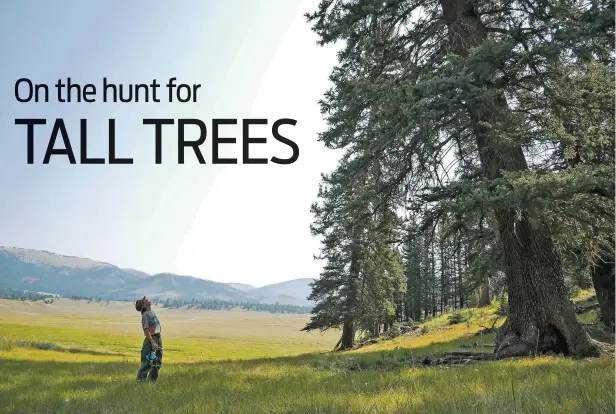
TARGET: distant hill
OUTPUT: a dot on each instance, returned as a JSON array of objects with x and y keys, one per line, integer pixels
[
  {"x": 242, "y": 287},
  {"x": 43, "y": 271},
  {"x": 167, "y": 285},
  {"x": 291, "y": 290}
]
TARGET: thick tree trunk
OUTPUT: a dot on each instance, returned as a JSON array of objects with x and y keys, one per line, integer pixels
[
  {"x": 604, "y": 281},
  {"x": 541, "y": 317}
]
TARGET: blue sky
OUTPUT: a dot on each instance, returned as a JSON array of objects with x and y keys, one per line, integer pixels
[{"x": 241, "y": 223}]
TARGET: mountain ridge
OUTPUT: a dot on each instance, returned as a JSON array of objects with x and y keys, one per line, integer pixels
[{"x": 42, "y": 270}]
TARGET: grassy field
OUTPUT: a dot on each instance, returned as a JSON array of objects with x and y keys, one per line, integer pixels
[
  {"x": 189, "y": 335},
  {"x": 77, "y": 357}
]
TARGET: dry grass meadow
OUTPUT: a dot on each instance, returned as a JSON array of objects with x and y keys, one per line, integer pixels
[{"x": 78, "y": 357}]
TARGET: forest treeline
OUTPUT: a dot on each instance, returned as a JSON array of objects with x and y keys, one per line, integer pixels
[
  {"x": 478, "y": 161},
  {"x": 216, "y": 304},
  {"x": 206, "y": 304},
  {"x": 17, "y": 294}
]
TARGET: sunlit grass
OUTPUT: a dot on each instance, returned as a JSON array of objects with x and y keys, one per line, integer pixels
[
  {"x": 211, "y": 367},
  {"x": 538, "y": 385},
  {"x": 583, "y": 295},
  {"x": 440, "y": 336},
  {"x": 592, "y": 316},
  {"x": 176, "y": 349}
]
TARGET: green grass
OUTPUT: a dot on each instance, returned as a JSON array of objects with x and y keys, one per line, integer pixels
[
  {"x": 584, "y": 295},
  {"x": 248, "y": 365},
  {"x": 179, "y": 349},
  {"x": 592, "y": 316},
  {"x": 440, "y": 336},
  {"x": 297, "y": 384}
]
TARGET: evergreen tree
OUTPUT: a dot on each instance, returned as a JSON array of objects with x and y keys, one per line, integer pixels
[
  {"x": 458, "y": 99},
  {"x": 336, "y": 292},
  {"x": 361, "y": 286},
  {"x": 412, "y": 270}
]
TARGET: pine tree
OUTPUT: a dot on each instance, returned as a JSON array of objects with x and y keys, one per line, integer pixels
[
  {"x": 362, "y": 279},
  {"x": 412, "y": 270},
  {"x": 336, "y": 292},
  {"x": 381, "y": 275},
  {"x": 457, "y": 99}
]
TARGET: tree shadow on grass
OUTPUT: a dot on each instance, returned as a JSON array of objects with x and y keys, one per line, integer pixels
[
  {"x": 400, "y": 355},
  {"x": 310, "y": 383}
]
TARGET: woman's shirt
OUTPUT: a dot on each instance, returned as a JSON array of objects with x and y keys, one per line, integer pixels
[{"x": 150, "y": 322}]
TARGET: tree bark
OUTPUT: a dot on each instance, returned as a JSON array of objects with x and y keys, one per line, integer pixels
[
  {"x": 347, "y": 340},
  {"x": 541, "y": 317},
  {"x": 417, "y": 302},
  {"x": 484, "y": 294},
  {"x": 604, "y": 281},
  {"x": 454, "y": 276}
]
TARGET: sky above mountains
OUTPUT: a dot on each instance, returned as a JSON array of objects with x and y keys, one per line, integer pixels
[{"x": 235, "y": 223}]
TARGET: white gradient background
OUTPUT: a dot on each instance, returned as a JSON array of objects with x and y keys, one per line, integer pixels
[{"x": 234, "y": 223}]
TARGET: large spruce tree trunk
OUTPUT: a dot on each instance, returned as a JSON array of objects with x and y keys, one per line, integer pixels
[
  {"x": 604, "y": 281},
  {"x": 541, "y": 317}
]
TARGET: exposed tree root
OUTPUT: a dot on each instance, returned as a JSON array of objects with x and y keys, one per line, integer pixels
[{"x": 555, "y": 338}]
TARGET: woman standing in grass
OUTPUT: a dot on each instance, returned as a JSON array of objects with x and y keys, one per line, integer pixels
[{"x": 151, "y": 343}]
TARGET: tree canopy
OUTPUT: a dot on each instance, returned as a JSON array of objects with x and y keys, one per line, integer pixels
[{"x": 484, "y": 130}]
